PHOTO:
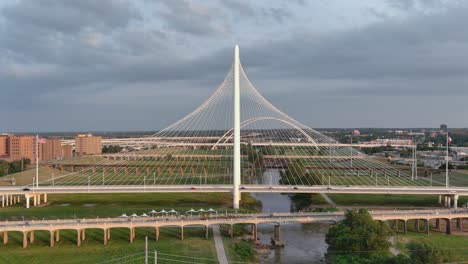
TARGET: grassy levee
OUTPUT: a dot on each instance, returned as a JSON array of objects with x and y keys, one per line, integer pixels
[
  {"x": 389, "y": 200},
  {"x": 456, "y": 178},
  {"x": 453, "y": 248},
  {"x": 194, "y": 248},
  {"x": 113, "y": 205}
]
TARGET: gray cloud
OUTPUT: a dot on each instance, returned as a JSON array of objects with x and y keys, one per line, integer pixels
[
  {"x": 193, "y": 18},
  {"x": 102, "y": 72}
]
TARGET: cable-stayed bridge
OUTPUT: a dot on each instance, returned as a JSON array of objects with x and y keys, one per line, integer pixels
[{"x": 236, "y": 141}]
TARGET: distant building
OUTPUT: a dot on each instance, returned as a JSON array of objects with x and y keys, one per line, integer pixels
[
  {"x": 20, "y": 147},
  {"x": 390, "y": 141},
  {"x": 67, "y": 151},
  {"x": 459, "y": 131},
  {"x": 51, "y": 149},
  {"x": 3, "y": 145},
  {"x": 87, "y": 144},
  {"x": 443, "y": 127}
]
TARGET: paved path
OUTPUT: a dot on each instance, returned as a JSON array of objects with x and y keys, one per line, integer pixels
[
  {"x": 329, "y": 201},
  {"x": 220, "y": 252},
  {"x": 393, "y": 249}
]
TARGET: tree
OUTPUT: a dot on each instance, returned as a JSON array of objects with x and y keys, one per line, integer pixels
[
  {"x": 358, "y": 235},
  {"x": 424, "y": 253}
]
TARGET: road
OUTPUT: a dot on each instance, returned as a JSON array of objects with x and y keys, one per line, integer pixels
[{"x": 461, "y": 191}]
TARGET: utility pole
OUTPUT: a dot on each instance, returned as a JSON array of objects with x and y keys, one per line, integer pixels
[
  {"x": 37, "y": 161},
  {"x": 237, "y": 156},
  {"x": 146, "y": 250},
  {"x": 447, "y": 163}
]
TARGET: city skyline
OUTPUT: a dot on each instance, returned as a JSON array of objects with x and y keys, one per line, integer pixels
[{"x": 139, "y": 66}]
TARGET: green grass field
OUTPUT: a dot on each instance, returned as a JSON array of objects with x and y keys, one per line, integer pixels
[
  {"x": 454, "y": 248},
  {"x": 389, "y": 200}
]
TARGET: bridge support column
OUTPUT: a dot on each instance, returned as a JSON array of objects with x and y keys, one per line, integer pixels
[
  {"x": 182, "y": 233},
  {"x": 445, "y": 200},
  {"x": 276, "y": 236},
  {"x": 83, "y": 234},
  {"x": 5, "y": 237},
  {"x": 31, "y": 237},
  {"x": 7, "y": 200},
  {"x": 459, "y": 223},
  {"x": 108, "y": 234},
  {"x": 25, "y": 239},
  {"x": 207, "y": 232},
  {"x": 428, "y": 226},
  {"x": 131, "y": 234},
  {"x": 437, "y": 227},
  {"x": 440, "y": 199},
  {"x": 405, "y": 227},
  {"x": 231, "y": 231},
  {"x": 236, "y": 133},
  {"x": 45, "y": 197},
  {"x": 3, "y": 200},
  {"x": 105, "y": 236},
  {"x": 35, "y": 200},
  {"x": 449, "y": 202},
  {"x": 254, "y": 232},
  {"x": 448, "y": 228},
  {"x": 57, "y": 235},
  {"x": 26, "y": 198},
  {"x": 52, "y": 239},
  {"x": 78, "y": 237},
  {"x": 157, "y": 233},
  {"x": 455, "y": 201},
  {"x": 416, "y": 225},
  {"x": 395, "y": 225}
]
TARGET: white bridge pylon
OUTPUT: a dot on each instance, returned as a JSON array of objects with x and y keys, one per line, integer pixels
[{"x": 238, "y": 138}]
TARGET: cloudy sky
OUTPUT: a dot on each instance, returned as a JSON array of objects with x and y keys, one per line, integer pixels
[{"x": 90, "y": 65}]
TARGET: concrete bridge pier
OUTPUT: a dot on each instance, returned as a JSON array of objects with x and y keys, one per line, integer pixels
[
  {"x": 275, "y": 240},
  {"x": 428, "y": 227},
  {"x": 78, "y": 237},
  {"x": 52, "y": 239},
  {"x": 57, "y": 235},
  {"x": 5, "y": 237},
  {"x": 31, "y": 237},
  {"x": 181, "y": 232},
  {"x": 459, "y": 223},
  {"x": 157, "y": 233},
  {"x": 83, "y": 234},
  {"x": 448, "y": 229},
  {"x": 132, "y": 234},
  {"x": 416, "y": 225},
  {"x": 254, "y": 232},
  {"x": 108, "y": 234},
  {"x": 207, "y": 232},
  {"x": 440, "y": 199},
  {"x": 455, "y": 201},
  {"x": 405, "y": 227},
  {"x": 3, "y": 200},
  {"x": 105, "y": 236},
  {"x": 231, "y": 231},
  {"x": 449, "y": 202},
  {"x": 437, "y": 226},
  {"x": 25, "y": 239}
]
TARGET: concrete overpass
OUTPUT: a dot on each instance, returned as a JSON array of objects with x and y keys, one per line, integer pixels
[
  {"x": 38, "y": 194},
  {"x": 81, "y": 225}
]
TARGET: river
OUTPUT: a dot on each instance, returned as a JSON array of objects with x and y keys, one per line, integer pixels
[{"x": 303, "y": 243}]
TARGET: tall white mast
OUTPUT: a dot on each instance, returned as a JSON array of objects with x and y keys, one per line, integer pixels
[{"x": 237, "y": 156}]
